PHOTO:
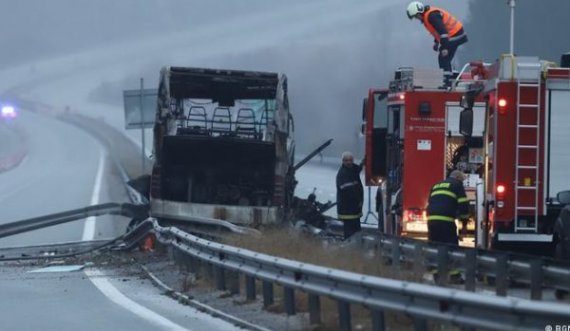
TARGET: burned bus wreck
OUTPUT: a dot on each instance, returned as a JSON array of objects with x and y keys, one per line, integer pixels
[{"x": 223, "y": 146}]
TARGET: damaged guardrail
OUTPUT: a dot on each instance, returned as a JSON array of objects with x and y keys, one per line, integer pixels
[
  {"x": 422, "y": 302},
  {"x": 125, "y": 209}
]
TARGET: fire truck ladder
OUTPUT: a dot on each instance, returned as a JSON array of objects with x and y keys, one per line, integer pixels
[{"x": 530, "y": 85}]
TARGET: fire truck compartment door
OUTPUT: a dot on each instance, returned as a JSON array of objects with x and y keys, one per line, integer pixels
[
  {"x": 559, "y": 141},
  {"x": 453, "y": 109}
]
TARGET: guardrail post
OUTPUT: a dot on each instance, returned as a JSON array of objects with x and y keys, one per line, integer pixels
[
  {"x": 199, "y": 267},
  {"x": 314, "y": 309},
  {"x": 250, "y": 288},
  {"x": 442, "y": 265},
  {"x": 171, "y": 253},
  {"x": 378, "y": 322},
  {"x": 267, "y": 294},
  {"x": 420, "y": 324},
  {"x": 344, "y": 321},
  {"x": 175, "y": 254},
  {"x": 536, "y": 279},
  {"x": 289, "y": 300},
  {"x": 501, "y": 272},
  {"x": 382, "y": 253},
  {"x": 233, "y": 282},
  {"x": 194, "y": 264},
  {"x": 470, "y": 267},
  {"x": 395, "y": 250},
  {"x": 220, "y": 277},
  {"x": 207, "y": 270},
  {"x": 418, "y": 262}
]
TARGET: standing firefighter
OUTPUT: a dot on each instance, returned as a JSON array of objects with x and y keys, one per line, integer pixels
[
  {"x": 447, "y": 201},
  {"x": 349, "y": 194},
  {"x": 447, "y": 32}
]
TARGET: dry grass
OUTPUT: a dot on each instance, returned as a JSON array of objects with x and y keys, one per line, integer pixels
[{"x": 293, "y": 245}]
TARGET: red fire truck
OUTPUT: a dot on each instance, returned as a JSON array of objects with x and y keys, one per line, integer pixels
[
  {"x": 413, "y": 141},
  {"x": 527, "y": 149},
  {"x": 512, "y": 143}
]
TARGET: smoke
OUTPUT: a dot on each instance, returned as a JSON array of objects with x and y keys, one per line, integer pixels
[
  {"x": 541, "y": 29},
  {"x": 332, "y": 51},
  {"x": 36, "y": 29}
]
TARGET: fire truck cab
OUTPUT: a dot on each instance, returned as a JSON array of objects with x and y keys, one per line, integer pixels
[
  {"x": 526, "y": 150},
  {"x": 413, "y": 142}
]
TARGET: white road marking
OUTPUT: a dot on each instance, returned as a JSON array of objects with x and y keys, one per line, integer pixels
[
  {"x": 103, "y": 284},
  {"x": 112, "y": 293},
  {"x": 89, "y": 227}
]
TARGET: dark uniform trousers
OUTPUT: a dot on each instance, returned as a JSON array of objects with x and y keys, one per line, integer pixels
[
  {"x": 351, "y": 226},
  {"x": 349, "y": 199},
  {"x": 447, "y": 202}
]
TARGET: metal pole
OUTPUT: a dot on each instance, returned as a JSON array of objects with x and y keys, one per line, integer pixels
[
  {"x": 370, "y": 212},
  {"x": 378, "y": 321},
  {"x": 143, "y": 156},
  {"x": 536, "y": 278},
  {"x": 344, "y": 320},
  {"x": 512, "y": 37},
  {"x": 289, "y": 300},
  {"x": 314, "y": 309},
  {"x": 501, "y": 269},
  {"x": 250, "y": 288},
  {"x": 395, "y": 251},
  {"x": 267, "y": 294},
  {"x": 233, "y": 280},
  {"x": 220, "y": 278}
]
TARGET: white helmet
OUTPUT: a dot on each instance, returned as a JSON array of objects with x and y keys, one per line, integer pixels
[{"x": 414, "y": 8}]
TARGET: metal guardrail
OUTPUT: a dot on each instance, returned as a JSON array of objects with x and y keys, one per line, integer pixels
[
  {"x": 125, "y": 209},
  {"x": 422, "y": 302},
  {"x": 503, "y": 267}
]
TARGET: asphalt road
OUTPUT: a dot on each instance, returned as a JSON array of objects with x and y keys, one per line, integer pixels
[
  {"x": 58, "y": 174},
  {"x": 106, "y": 300},
  {"x": 9, "y": 138},
  {"x": 65, "y": 169}
]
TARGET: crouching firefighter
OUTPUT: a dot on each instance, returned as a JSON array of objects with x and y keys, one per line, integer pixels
[
  {"x": 349, "y": 195},
  {"x": 447, "y": 201},
  {"x": 446, "y": 30}
]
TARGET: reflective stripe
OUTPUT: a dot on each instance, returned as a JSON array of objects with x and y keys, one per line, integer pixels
[
  {"x": 463, "y": 200},
  {"x": 464, "y": 216},
  {"x": 445, "y": 192},
  {"x": 345, "y": 185},
  {"x": 445, "y": 35},
  {"x": 440, "y": 218},
  {"x": 348, "y": 217},
  {"x": 453, "y": 272},
  {"x": 454, "y": 38}
]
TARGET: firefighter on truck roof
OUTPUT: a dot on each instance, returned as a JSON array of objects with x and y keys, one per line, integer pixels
[
  {"x": 349, "y": 194},
  {"x": 447, "y": 31},
  {"x": 447, "y": 201}
]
